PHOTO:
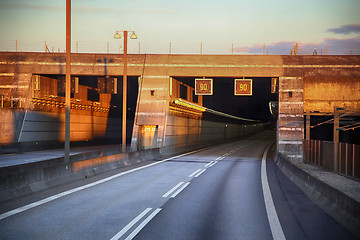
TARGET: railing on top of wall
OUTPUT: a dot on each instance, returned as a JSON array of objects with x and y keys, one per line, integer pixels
[
  {"x": 322, "y": 153},
  {"x": 12, "y": 102}
]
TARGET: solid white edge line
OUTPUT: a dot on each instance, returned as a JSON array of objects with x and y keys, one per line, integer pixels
[
  {"x": 130, "y": 224},
  {"x": 54, "y": 197},
  {"x": 143, "y": 224},
  {"x": 182, "y": 188},
  {"x": 173, "y": 189},
  {"x": 275, "y": 226},
  {"x": 195, "y": 172},
  {"x": 197, "y": 175}
]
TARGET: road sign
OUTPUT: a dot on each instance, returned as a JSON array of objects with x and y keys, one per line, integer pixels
[
  {"x": 203, "y": 86},
  {"x": 243, "y": 87}
]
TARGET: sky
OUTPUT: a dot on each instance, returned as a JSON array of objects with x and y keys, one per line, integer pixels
[{"x": 191, "y": 26}]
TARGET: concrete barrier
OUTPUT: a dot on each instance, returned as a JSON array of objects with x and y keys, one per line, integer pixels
[
  {"x": 20, "y": 180},
  {"x": 335, "y": 201}
]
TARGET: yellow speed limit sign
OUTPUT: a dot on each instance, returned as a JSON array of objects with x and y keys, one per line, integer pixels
[
  {"x": 243, "y": 87},
  {"x": 203, "y": 86}
]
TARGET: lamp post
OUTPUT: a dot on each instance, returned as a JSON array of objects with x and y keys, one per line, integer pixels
[
  {"x": 118, "y": 36},
  {"x": 68, "y": 80}
]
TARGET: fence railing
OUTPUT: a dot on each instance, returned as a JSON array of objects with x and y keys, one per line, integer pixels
[
  {"x": 12, "y": 102},
  {"x": 343, "y": 158},
  {"x": 178, "y": 47}
]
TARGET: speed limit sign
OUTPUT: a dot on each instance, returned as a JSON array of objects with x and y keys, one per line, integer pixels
[
  {"x": 243, "y": 87},
  {"x": 203, "y": 86}
]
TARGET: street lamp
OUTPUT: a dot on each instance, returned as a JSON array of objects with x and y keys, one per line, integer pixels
[{"x": 118, "y": 36}]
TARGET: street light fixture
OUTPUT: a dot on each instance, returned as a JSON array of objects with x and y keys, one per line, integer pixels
[{"x": 118, "y": 36}]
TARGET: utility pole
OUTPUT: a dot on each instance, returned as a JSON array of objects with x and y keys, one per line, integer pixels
[
  {"x": 68, "y": 80},
  {"x": 123, "y": 145},
  {"x": 308, "y": 125},
  {"x": 336, "y": 137}
]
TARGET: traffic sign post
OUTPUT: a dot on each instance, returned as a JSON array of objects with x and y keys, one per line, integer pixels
[
  {"x": 203, "y": 86},
  {"x": 243, "y": 87}
]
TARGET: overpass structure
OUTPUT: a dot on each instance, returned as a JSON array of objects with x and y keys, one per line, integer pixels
[{"x": 30, "y": 88}]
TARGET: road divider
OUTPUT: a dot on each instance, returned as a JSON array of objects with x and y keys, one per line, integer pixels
[
  {"x": 197, "y": 175},
  {"x": 179, "y": 190},
  {"x": 209, "y": 163},
  {"x": 193, "y": 174},
  {"x": 172, "y": 190},
  {"x": 131, "y": 224},
  {"x": 143, "y": 224}
]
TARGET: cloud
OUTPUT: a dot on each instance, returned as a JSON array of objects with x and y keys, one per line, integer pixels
[
  {"x": 346, "y": 29},
  {"x": 343, "y": 46},
  {"x": 336, "y": 47}
]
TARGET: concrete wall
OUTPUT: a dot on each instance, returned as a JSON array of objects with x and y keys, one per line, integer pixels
[
  {"x": 20, "y": 180},
  {"x": 185, "y": 132},
  {"x": 317, "y": 80},
  {"x": 323, "y": 93}
]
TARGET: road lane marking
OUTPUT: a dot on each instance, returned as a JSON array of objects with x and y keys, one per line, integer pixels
[
  {"x": 273, "y": 218},
  {"x": 182, "y": 188},
  {"x": 54, "y": 197},
  {"x": 130, "y": 224},
  {"x": 219, "y": 158},
  {"x": 172, "y": 190},
  {"x": 143, "y": 224},
  {"x": 212, "y": 164},
  {"x": 197, "y": 175},
  {"x": 191, "y": 175},
  {"x": 209, "y": 163}
]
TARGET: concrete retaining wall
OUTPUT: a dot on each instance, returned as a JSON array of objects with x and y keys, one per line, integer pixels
[
  {"x": 342, "y": 207},
  {"x": 20, "y": 180},
  {"x": 187, "y": 132}
]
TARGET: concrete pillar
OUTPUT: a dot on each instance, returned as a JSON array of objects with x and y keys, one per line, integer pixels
[
  {"x": 153, "y": 103},
  {"x": 291, "y": 117}
]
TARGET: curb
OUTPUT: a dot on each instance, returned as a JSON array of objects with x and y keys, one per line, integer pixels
[{"x": 340, "y": 206}]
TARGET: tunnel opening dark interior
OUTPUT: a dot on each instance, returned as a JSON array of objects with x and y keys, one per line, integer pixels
[
  {"x": 97, "y": 85},
  {"x": 224, "y": 100},
  {"x": 323, "y": 129}
]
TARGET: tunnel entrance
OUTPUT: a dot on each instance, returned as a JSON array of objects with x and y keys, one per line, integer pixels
[
  {"x": 96, "y": 110},
  {"x": 224, "y": 100}
]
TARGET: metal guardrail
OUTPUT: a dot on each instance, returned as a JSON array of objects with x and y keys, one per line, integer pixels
[{"x": 343, "y": 158}]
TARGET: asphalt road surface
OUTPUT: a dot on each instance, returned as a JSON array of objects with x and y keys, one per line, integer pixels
[{"x": 230, "y": 191}]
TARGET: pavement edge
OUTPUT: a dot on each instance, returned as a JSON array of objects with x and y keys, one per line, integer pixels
[{"x": 340, "y": 206}]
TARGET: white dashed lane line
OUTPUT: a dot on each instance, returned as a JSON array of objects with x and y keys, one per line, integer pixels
[
  {"x": 194, "y": 173},
  {"x": 180, "y": 189},
  {"x": 201, "y": 172},
  {"x": 172, "y": 190}
]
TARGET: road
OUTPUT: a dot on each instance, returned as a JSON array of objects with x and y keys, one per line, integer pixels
[{"x": 230, "y": 191}]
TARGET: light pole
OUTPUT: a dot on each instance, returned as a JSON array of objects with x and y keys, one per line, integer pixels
[
  {"x": 68, "y": 80},
  {"x": 118, "y": 36}
]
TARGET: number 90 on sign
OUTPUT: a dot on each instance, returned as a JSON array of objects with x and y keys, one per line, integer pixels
[
  {"x": 203, "y": 86},
  {"x": 243, "y": 87}
]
